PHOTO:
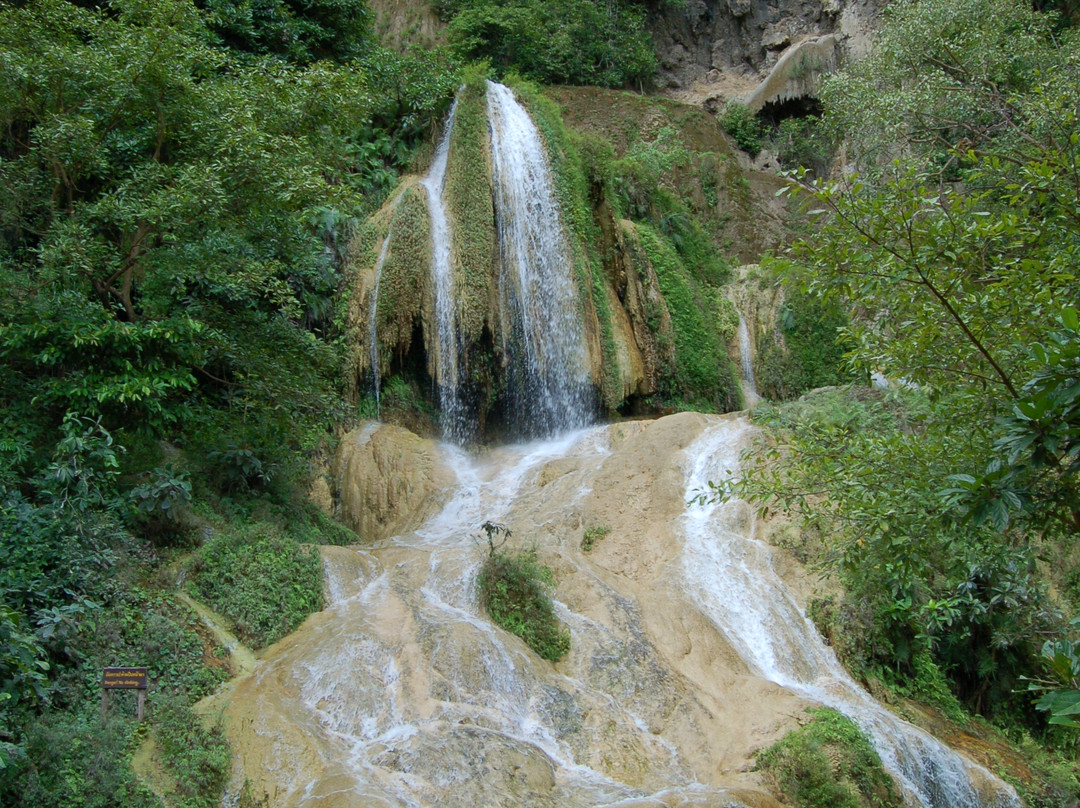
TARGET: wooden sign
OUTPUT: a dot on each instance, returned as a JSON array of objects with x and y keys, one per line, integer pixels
[{"x": 125, "y": 679}]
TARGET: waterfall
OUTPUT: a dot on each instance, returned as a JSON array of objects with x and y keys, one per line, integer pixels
[
  {"x": 373, "y": 320},
  {"x": 455, "y": 420},
  {"x": 543, "y": 339},
  {"x": 750, "y": 392},
  {"x": 688, "y": 652},
  {"x": 731, "y": 576}
]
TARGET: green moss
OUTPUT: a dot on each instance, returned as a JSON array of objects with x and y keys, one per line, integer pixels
[
  {"x": 405, "y": 271},
  {"x": 469, "y": 205},
  {"x": 829, "y": 763},
  {"x": 703, "y": 376}
]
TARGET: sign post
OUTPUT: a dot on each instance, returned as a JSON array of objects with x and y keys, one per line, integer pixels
[{"x": 125, "y": 679}]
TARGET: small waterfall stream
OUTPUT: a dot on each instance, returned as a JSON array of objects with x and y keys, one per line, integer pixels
[
  {"x": 455, "y": 420},
  {"x": 688, "y": 651},
  {"x": 732, "y": 577},
  {"x": 542, "y": 322},
  {"x": 746, "y": 363},
  {"x": 373, "y": 322}
]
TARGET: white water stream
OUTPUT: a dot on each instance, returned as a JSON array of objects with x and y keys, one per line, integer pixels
[
  {"x": 732, "y": 578},
  {"x": 373, "y": 320},
  {"x": 542, "y": 321},
  {"x": 403, "y": 693},
  {"x": 746, "y": 363},
  {"x": 455, "y": 421}
]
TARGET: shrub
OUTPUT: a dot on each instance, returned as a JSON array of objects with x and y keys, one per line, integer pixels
[
  {"x": 513, "y": 589},
  {"x": 744, "y": 128},
  {"x": 261, "y": 578},
  {"x": 593, "y": 535},
  {"x": 829, "y": 763}
]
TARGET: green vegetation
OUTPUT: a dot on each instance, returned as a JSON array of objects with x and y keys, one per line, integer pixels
[
  {"x": 812, "y": 353},
  {"x": 514, "y": 590},
  {"x": 556, "y": 41},
  {"x": 829, "y": 763},
  {"x": 955, "y": 253},
  {"x": 260, "y": 578},
  {"x": 593, "y": 535},
  {"x": 703, "y": 377},
  {"x": 179, "y": 179},
  {"x": 743, "y": 126}
]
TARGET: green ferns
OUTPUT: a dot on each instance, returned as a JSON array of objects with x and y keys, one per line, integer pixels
[{"x": 514, "y": 590}]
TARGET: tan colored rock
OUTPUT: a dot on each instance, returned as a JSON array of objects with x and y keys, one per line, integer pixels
[{"x": 390, "y": 480}]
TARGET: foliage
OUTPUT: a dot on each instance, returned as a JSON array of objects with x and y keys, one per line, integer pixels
[
  {"x": 949, "y": 72},
  {"x": 812, "y": 351},
  {"x": 169, "y": 240},
  {"x": 557, "y": 41},
  {"x": 76, "y": 761},
  {"x": 802, "y": 142},
  {"x": 743, "y": 126},
  {"x": 703, "y": 375},
  {"x": 259, "y": 577},
  {"x": 592, "y": 535},
  {"x": 923, "y": 580},
  {"x": 198, "y": 756},
  {"x": 829, "y": 763},
  {"x": 298, "y": 30},
  {"x": 513, "y": 589}
]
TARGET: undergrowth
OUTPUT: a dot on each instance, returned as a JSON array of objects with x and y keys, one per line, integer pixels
[{"x": 259, "y": 577}]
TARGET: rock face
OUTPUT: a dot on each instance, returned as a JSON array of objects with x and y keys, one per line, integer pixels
[
  {"x": 711, "y": 51},
  {"x": 390, "y": 480}
]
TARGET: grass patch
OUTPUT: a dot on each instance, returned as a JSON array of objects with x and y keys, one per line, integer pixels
[
  {"x": 514, "y": 590},
  {"x": 593, "y": 535},
  {"x": 259, "y": 577},
  {"x": 829, "y": 763}
]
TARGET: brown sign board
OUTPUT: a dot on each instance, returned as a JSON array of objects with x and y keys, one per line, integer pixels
[{"x": 125, "y": 679}]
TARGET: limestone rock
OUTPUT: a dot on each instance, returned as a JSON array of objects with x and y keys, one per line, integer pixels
[{"x": 390, "y": 480}]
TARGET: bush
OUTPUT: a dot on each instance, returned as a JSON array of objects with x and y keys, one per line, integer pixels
[
  {"x": 829, "y": 763},
  {"x": 513, "y": 589},
  {"x": 75, "y": 761},
  {"x": 743, "y": 126},
  {"x": 197, "y": 756},
  {"x": 558, "y": 41},
  {"x": 260, "y": 578}
]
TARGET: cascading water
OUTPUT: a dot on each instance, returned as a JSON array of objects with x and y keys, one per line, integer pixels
[
  {"x": 403, "y": 693},
  {"x": 456, "y": 423},
  {"x": 373, "y": 322},
  {"x": 731, "y": 576},
  {"x": 746, "y": 357},
  {"x": 548, "y": 386}
]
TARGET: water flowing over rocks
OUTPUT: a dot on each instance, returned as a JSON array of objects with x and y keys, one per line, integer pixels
[{"x": 403, "y": 693}]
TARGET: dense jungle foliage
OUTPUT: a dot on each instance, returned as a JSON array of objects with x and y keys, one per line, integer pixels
[
  {"x": 180, "y": 178},
  {"x": 949, "y": 504},
  {"x": 177, "y": 179}
]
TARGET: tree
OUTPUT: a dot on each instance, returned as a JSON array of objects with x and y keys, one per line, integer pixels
[{"x": 955, "y": 248}]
